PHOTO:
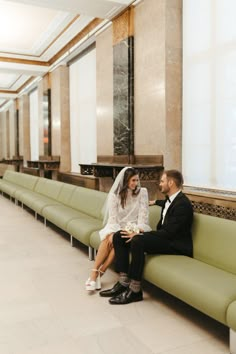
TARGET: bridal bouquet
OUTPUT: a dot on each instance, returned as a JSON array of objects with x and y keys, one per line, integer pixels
[{"x": 130, "y": 228}]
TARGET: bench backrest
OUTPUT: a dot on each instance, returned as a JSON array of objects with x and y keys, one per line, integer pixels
[
  {"x": 154, "y": 216},
  {"x": 66, "y": 193},
  {"x": 214, "y": 241},
  {"x": 89, "y": 201},
  {"x": 48, "y": 187},
  {"x": 21, "y": 179}
]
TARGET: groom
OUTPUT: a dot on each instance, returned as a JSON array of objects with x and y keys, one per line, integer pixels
[{"x": 172, "y": 236}]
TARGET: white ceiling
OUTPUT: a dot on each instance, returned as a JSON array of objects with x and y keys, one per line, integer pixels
[{"x": 32, "y": 32}]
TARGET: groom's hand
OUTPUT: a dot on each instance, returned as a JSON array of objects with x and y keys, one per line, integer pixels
[{"x": 127, "y": 235}]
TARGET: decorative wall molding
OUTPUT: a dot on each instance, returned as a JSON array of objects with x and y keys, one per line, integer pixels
[
  {"x": 214, "y": 210},
  {"x": 212, "y": 202}
]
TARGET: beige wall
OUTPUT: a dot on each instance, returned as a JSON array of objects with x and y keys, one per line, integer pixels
[
  {"x": 104, "y": 61},
  {"x": 149, "y": 74},
  {"x": 158, "y": 58},
  {"x": 157, "y": 82}
]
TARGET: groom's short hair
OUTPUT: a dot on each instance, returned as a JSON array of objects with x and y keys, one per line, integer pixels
[{"x": 176, "y": 176}]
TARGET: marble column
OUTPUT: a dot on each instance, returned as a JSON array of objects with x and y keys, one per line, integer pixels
[
  {"x": 158, "y": 80},
  {"x": 173, "y": 72},
  {"x": 104, "y": 84},
  {"x": 25, "y": 119},
  {"x": 123, "y": 87},
  {"x": 7, "y": 134},
  {"x": 60, "y": 118},
  {"x": 12, "y": 130},
  {"x": 17, "y": 128},
  {"x": 3, "y": 134}
]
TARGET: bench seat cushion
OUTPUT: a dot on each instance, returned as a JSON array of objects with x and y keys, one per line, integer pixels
[
  {"x": 10, "y": 188},
  {"x": 39, "y": 203},
  {"x": 34, "y": 201},
  {"x": 95, "y": 239},
  {"x": 82, "y": 228},
  {"x": 60, "y": 215},
  {"x": 231, "y": 315},
  {"x": 205, "y": 287}
]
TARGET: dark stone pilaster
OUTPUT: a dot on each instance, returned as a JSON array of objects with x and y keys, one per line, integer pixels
[{"x": 123, "y": 97}]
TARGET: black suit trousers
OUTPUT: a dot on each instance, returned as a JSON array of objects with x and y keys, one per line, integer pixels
[{"x": 149, "y": 242}]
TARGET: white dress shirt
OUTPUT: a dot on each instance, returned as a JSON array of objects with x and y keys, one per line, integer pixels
[{"x": 168, "y": 203}]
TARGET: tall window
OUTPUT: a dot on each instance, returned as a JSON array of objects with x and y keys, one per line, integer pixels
[
  {"x": 34, "y": 125},
  {"x": 209, "y": 93},
  {"x": 83, "y": 110}
]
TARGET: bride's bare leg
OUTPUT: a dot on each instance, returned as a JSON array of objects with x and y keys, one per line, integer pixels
[
  {"x": 108, "y": 260},
  {"x": 102, "y": 254}
]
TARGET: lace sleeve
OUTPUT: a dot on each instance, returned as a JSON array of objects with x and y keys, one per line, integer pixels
[
  {"x": 113, "y": 209},
  {"x": 143, "y": 211},
  {"x": 112, "y": 222}
]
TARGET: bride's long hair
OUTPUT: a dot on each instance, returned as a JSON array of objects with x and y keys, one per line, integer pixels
[
  {"x": 120, "y": 189},
  {"x": 129, "y": 173}
]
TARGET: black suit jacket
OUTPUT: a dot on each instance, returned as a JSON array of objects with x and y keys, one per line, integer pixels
[{"x": 177, "y": 224}]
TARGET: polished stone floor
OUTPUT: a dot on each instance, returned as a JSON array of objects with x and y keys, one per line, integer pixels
[{"x": 44, "y": 308}]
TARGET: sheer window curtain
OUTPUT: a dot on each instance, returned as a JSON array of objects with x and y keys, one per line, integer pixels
[
  {"x": 83, "y": 111},
  {"x": 209, "y": 93}
]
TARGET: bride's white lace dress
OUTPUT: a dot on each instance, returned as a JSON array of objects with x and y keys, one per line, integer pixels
[{"x": 136, "y": 211}]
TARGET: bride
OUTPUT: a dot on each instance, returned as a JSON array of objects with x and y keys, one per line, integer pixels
[{"x": 126, "y": 208}]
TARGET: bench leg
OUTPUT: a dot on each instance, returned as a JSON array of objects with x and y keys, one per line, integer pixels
[
  {"x": 71, "y": 241},
  {"x": 232, "y": 341},
  {"x": 91, "y": 256}
]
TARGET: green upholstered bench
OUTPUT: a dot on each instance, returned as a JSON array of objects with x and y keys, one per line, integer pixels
[
  {"x": 15, "y": 181},
  {"x": 207, "y": 281},
  {"x": 76, "y": 210},
  {"x": 231, "y": 321}
]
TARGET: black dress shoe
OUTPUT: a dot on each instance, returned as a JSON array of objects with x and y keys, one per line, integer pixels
[
  {"x": 126, "y": 297},
  {"x": 116, "y": 290}
]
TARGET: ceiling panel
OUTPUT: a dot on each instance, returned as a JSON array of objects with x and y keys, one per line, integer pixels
[
  {"x": 95, "y": 8},
  {"x": 33, "y": 35},
  {"x": 2, "y": 100}
]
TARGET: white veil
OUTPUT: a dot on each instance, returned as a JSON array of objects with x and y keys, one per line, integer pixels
[{"x": 115, "y": 189}]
